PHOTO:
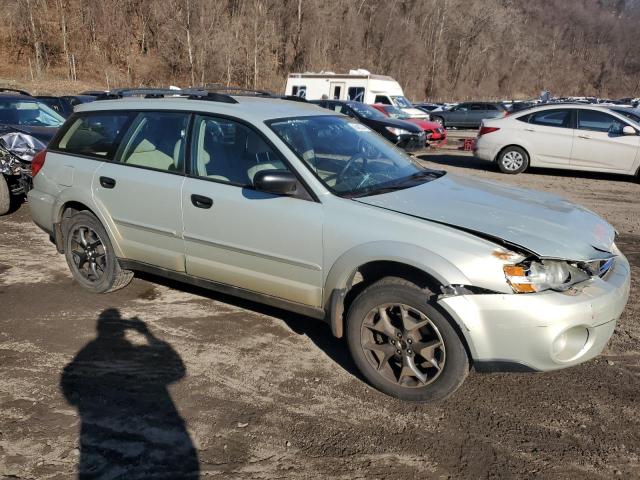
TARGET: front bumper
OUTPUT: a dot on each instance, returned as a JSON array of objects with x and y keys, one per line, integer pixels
[
  {"x": 411, "y": 143},
  {"x": 527, "y": 329}
]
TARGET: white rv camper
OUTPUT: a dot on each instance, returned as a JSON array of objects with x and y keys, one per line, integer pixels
[{"x": 358, "y": 85}]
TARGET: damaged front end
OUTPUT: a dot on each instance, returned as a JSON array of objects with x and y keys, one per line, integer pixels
[{"x": 17, "y": 150}]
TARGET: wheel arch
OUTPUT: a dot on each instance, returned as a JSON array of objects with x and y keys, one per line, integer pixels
[{"x": 363, "y": 265}]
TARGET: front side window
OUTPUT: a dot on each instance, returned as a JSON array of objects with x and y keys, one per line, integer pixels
[
  {"x": 29, "y": 113},
  {"x": 630, "y": 113},
  {"x": 598, "y": 121},
  {"x": 356, "y": 94},
  {"x": 230, "y": 152},
  {"x": 551, "y": 118},
  {"x": 95, "y": 134},
  {"x": 156, "y": 140},
  {"x": 349, "y": 158},
  {"x": 382, "y": 99}
]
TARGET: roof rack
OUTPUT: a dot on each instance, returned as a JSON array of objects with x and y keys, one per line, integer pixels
[
  {"x": 217, "y": 87},
  {"x": 15, "y": 90},
  {"x": 190, "y": 93}
]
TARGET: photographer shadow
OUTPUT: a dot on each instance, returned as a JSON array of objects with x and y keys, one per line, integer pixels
[{"x": 130, "y": 425}]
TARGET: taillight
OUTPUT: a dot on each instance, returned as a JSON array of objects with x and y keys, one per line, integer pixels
[
  {"x": 485, "y": 130},
  {"x": 38, "y": 162}
]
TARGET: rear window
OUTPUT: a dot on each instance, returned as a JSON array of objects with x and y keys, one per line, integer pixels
[{"x": 96, "y": 134}]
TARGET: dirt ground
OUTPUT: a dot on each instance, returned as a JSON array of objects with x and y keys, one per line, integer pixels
[{"x": 203, "y": 385}]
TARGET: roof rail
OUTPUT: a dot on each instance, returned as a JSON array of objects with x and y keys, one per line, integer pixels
[
  {"x": 190, "y": 93},
  {"x": 216, "y": 87},
  {"x": 15, "y": 90}
]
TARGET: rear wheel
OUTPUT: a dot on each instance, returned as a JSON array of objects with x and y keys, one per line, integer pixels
[
  {"x": 513, "y": 160},
  {"x": 403, "y": 345},
  {"x": 90, "y": 255},
  {"x": 5, "y": 196}
]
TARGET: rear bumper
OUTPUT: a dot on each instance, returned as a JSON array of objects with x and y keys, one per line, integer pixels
[
  {"x": 485, "y": 150},
  {"x": 543, "y": 331},
  {"x": 41, "y": 206}
]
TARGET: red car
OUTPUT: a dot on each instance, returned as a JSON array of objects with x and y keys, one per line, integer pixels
[{"x": 436, "y": 133}]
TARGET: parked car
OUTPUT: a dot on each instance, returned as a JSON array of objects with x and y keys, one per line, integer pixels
[
  {"x": 405, "y": 135},
  {"x": 576, "y": 137},
  {"x": 426, "y": 273},
  {"x": 469, "y": 114},
  {"x": 26, "y": 126},
  {"x": 64, "y": 104},
  {"x": 435, "y": 132},
  {"x": 519, "y": 106}
]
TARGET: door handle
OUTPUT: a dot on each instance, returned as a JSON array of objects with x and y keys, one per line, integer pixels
[
  {"x": 584, "y": 136},
  {"x": 107, "y": 182},
  {"x": 530, "y": 129},
  {"x": 201, "y": 201}
]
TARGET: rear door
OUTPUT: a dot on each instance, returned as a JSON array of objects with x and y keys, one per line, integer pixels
[
  {"x": 549, "y": 136},
  {"x": 140, "y": 191},
  {"x": 239, "y": 236},
  {"x": 600, "y": 145}
]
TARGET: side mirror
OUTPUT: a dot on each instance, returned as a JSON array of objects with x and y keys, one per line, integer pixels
[
  {"x": 278, "y": 182},
  {"x": 628, "y": 130}
]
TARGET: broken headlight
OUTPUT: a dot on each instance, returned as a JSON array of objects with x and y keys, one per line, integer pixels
[{"x": 537, "y": 276}]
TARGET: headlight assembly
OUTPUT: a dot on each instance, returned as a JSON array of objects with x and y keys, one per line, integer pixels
[
  {"x": 398, "y": 131},
  {"x": 543, "y": 275}
]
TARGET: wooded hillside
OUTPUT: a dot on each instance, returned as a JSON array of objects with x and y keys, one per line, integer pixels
[{"x": 436, "y": 49}]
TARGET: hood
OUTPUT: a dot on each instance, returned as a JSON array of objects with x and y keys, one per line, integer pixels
[
  {"x": 44, "y": 134},
  {"x": 391, "y": 122},
  {"x": 425, "y": 124},
  {"x": 542, "y": 223},
  {"x": 414, "y": 112}
]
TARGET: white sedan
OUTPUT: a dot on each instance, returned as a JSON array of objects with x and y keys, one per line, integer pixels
[{"x": 575, "y": 137}]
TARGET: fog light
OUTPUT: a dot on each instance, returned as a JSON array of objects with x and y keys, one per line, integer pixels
[{"x": 569, "y": 344}]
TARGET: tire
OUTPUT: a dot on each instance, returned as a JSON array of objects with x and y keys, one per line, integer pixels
[
  {"x": 90, "y": 255},
  {"x": 439, "y": 120},
  {"x": 513, "y": 160},
  {"x": 443, "y": 367},
  {"x": 5, "y": 196}
]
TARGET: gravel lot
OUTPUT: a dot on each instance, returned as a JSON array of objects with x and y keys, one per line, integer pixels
[{"x": 206, "y": 385}]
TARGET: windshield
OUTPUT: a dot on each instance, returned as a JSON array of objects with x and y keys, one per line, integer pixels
[
  {"x": 402, "y": 102},
  {"x": 349, "y": 158},
  {"x": 395, "y": 112},
  {"x": 630, "y": 113},
  {"x": 366, "y": 111},
  {"x": 28, "y": 113}
]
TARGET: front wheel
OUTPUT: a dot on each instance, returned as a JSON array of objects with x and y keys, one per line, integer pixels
[
  {"x": 438, "y": 120},
  {"x": 513, "y": 160},
  {"x": 403, "y": 345},
  {"x": 90, "y": 256},
  {"x": 5, "y": 196}
]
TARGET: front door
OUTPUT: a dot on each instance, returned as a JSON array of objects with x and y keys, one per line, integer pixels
[
  {"x": 140, "y": 191},
  {"x": 242, "y": 237},
  {"x": 337, "y": 90},
  {"x": 600, "y": 145}
]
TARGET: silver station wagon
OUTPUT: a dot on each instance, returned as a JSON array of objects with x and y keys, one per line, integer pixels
[{"x": 427, "y": 274}]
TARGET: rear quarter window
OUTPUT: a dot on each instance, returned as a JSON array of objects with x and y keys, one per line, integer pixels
[{"x": 94, "y": 134}]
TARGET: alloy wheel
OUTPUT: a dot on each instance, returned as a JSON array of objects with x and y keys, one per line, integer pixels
[
  {"x": 512, "y": 160},
  {"x": 403, "y": 345},
  {"x": 88, "y": 253}
]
